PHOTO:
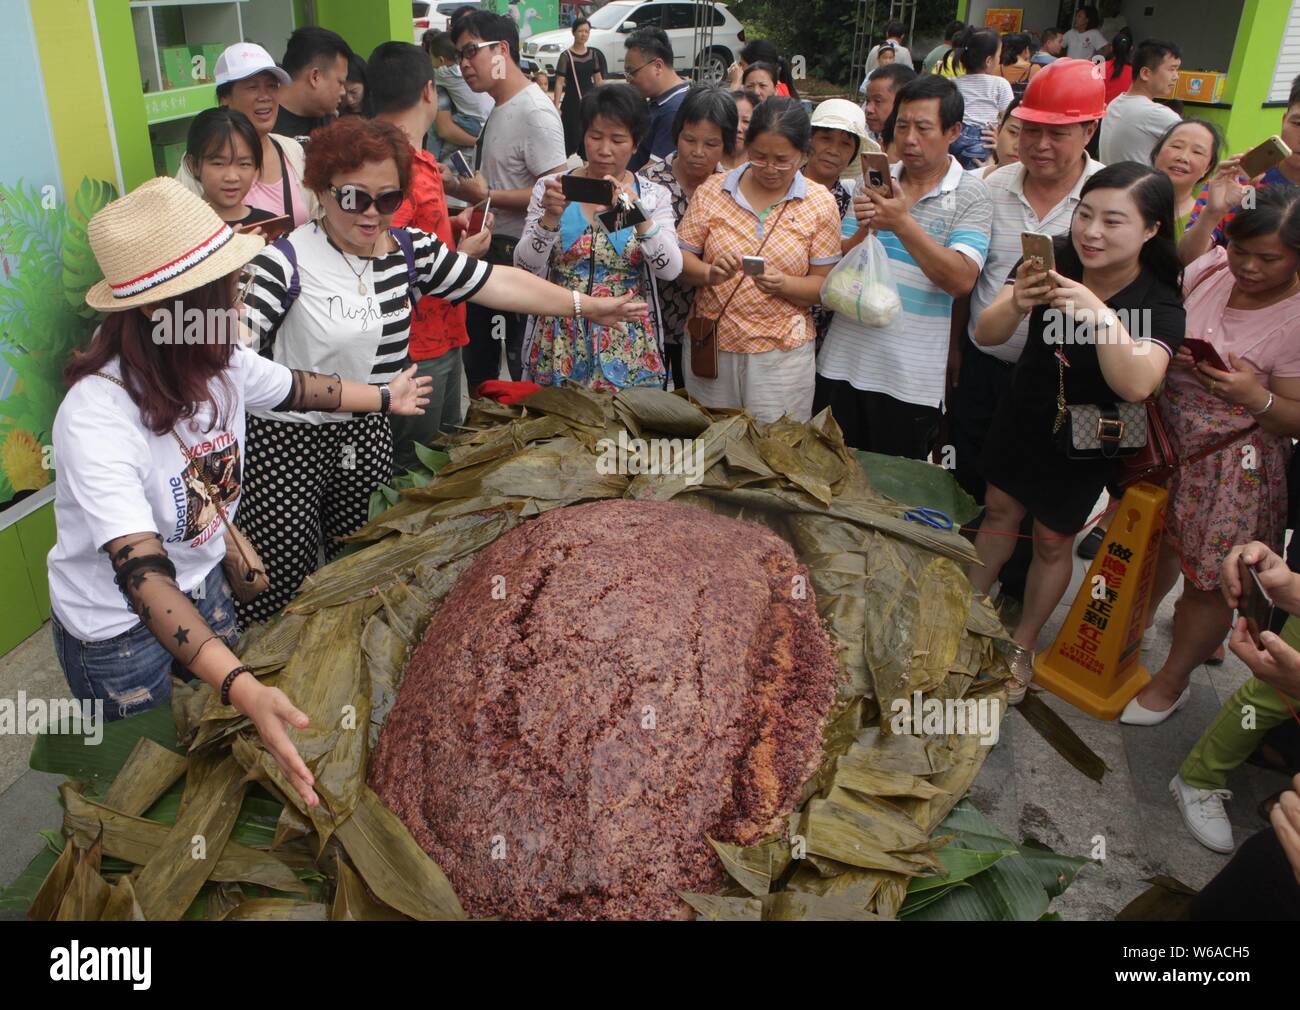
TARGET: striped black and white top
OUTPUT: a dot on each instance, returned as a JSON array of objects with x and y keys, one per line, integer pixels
[{"x": 305, "y": 311}]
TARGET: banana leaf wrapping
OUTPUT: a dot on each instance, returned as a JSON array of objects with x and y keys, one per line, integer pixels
[{"x": 891, "y": 593}]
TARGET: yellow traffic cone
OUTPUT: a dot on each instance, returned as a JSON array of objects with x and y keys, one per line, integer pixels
[{"x": 1095, "y": 663}]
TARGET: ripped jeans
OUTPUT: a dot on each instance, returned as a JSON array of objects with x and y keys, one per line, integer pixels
[{"x": 131, "y": 672}]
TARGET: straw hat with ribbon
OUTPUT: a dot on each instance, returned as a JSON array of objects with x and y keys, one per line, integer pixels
[{"x": 159, "y": 241}]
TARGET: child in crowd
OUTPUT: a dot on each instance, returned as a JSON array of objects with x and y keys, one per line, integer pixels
[
  {"x": 462, "y": 112},
  {"x": 224, "y": 153},
  {"x": 985, "y": 92}
]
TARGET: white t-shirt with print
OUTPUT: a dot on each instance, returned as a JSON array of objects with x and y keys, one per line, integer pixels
[
  {"x": 1084, "y": 45},
  {"x": 116, "y": 477}
]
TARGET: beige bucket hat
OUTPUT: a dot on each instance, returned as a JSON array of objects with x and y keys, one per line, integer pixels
[{"x": 159, "y": 241}]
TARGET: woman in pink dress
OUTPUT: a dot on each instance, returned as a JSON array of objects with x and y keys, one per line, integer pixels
[{"x": 1244, "y": 300}]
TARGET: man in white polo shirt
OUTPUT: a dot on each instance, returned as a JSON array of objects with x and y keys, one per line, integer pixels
[
  {"x": 1058, "y": 117},
  {"x": 1135, "y": 120},
  {"x": 884, "y": 384}
]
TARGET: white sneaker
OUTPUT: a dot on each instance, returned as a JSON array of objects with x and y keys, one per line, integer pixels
[{"x": 1203, "y": 813}]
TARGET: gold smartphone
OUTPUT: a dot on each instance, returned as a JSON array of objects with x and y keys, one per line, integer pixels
[
  {"x": 1038, "y": 251},
  {"x": 876, "y": 174},
  {"x": 1269, "y": 154}
]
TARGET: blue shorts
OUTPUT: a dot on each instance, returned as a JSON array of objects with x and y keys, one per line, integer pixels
[
  {"x": 969, "y": 148},
  {"x": 132, "y": 672}
]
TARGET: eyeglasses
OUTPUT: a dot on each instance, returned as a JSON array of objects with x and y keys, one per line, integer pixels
[
  {"x": 780, "y": 164},
  {"x": 357, "y": 201},
  {"x": 629, "y": 74},
  {"x": 466, "y": 53}
]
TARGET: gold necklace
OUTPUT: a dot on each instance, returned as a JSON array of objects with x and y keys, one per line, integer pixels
[{"x": 366, "y": 262}]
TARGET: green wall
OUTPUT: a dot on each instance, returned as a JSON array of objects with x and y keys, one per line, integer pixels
[
  {"x": 1254, "y": 59},
  {"x": 367, "y": 23}
]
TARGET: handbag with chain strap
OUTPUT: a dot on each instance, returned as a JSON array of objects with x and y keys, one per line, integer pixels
[{"x": 242, "y": 564}]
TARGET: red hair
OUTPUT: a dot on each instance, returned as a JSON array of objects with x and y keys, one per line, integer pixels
[
  {"x": 350, "y": 142},
  {"x": 167, "y": 381}
]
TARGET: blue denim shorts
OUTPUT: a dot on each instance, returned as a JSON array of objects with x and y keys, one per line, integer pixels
[
  {"x": 132, "y": 672},
  {"x": 969, "y": 147}
]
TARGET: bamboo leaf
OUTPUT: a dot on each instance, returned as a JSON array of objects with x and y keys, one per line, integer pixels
[
  {"x": 791, "y": 906},
  {"x": 122, "y": 905},
  {"x": 353, "y": 903},
  {"x": 149, "y": 771},
  {"x": 137, "y": 840},
  {"x": 753, "y": 867},
  {"x": 1062, "y": 739},
  {"x": 49, "y": 897},
  {"x": 714, "y": 908},
  {"x": 277, "y": 910},
  {"x": 394, "y": 867}
]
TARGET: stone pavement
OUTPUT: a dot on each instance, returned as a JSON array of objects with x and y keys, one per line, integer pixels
[{"x": 1025, "y": 787}]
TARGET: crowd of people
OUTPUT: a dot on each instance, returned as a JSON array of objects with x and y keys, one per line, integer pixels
[{"x": 431, "y": 210}]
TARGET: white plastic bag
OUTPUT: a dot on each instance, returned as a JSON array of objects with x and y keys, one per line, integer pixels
[{"x": 861, "y": 285}]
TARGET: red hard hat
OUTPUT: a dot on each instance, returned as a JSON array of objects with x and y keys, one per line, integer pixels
[{"x": 1066, "y": 91}]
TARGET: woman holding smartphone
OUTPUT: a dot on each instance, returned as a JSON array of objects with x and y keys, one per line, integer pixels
[
  {"x": 1119, "y": 256},
  {"x": 766, "y": 210},
  {"x": 336, "y": 296},
  {"x": 1232, "y": 429},
  {"x": 564, "y": 242}
]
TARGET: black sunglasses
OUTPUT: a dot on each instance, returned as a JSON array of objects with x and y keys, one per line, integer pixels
[{"x": 358, "y": 201}]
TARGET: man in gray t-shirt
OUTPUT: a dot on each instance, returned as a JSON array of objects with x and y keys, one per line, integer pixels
[
  {"x": 1135, "y": 120},
  {"x": 522, "y": 141}
]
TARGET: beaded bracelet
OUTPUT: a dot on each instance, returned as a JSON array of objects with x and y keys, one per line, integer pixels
[
  {"x": 577, "y": 306},
  {"x": 230, "y": 679}
]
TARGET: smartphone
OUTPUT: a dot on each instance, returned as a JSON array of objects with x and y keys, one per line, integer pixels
[
  {"x": 272, "y": 228},
  {"x": 460, "y": 165},
  {"x": 751, "y": 265},
  {"x": 1203, "y": 350},
  {"x": 876, "y": 175},
  {"x": 478, "y": 216},
  {"x": 1254, "y": 603},
  {"x": 579, "y": 189},
  {"x": 1038, "y": 250},
  {"x": 1268, "y": 154}
]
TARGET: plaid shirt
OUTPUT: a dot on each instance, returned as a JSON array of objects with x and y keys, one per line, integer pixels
[
  {"x": 437, "y": 326},
  {"x": 721, "y": 220}
]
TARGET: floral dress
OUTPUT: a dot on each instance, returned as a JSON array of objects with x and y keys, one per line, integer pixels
[{"x": 602, "y": 357}]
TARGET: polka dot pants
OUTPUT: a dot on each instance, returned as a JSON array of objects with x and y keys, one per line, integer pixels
[{"x": 306, "y": 485}]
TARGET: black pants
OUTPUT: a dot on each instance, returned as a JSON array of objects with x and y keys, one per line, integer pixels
[
  {"x": 981, "y": 385},
  {"x": 876, "y": 422},
  {"x": 1258, "y": 885},
  {"x": 487, "y": 326},
  {"x": 675, "y": 366}
]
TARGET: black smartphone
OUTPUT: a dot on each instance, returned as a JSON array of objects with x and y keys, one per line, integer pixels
[
  {"x": 1253, "y": 603},
  {"x": 578, "y": 189}
]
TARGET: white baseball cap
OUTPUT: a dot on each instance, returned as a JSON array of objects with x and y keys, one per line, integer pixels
[{"x": 244, "y": 60}]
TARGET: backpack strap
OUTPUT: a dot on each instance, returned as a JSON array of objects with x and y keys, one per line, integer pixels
[{"x": 403, "y": 239}]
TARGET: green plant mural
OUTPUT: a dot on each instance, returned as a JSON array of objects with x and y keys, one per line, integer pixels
[{"x": 48, "y": 267}]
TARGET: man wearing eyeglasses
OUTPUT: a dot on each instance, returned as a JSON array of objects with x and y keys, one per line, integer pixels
[
  {"x": 522, "y": 141},
  {"x": 648, "y": 67}
]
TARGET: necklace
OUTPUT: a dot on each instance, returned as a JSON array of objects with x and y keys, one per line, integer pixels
[{"x": 366, "y": 263}]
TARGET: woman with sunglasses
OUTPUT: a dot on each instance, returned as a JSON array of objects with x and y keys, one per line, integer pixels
[
  {"x": 335, "y": 296},
  {"x": 151, "y": 443}
]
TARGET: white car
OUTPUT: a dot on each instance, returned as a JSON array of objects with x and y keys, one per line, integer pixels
[
  {"x": 611, "y": 25},
  {"x": 435, "y": 15}
]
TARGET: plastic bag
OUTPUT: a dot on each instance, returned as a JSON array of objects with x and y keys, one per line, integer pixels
[{"x": 861, "y": 285}]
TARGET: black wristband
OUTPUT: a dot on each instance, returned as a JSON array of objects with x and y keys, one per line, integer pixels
[
  {"x": 385, "y": 398},
  {"x": 230, "y": 679}
]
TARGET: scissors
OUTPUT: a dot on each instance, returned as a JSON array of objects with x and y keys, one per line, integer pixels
[{"x": 928, "y": 517}]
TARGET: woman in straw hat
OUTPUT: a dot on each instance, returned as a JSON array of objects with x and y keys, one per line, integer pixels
[
  {"x": 149, "y": 441},
  {"x": 335, "y": 296}
]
